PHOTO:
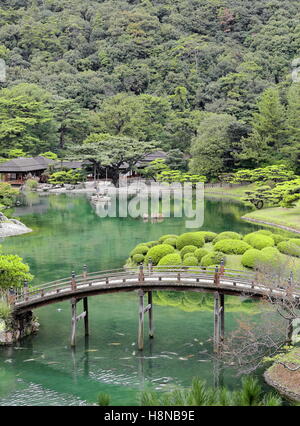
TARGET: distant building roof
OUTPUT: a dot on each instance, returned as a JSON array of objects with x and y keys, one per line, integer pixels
[
  {"x": 22, "y": 164},
  {"x": 71, "y": 164},
  {"x": 148, "y": 159}
]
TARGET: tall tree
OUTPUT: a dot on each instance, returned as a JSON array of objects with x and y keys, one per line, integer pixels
[{"x": 116, "y": 154}]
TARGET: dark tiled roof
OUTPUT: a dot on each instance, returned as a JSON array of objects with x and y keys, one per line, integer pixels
[
  {"x": 25, "y": 164},
  {"x": 70, "y": 164}
]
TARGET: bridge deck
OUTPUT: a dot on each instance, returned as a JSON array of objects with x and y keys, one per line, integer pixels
[{"x": 230, "y": 282}]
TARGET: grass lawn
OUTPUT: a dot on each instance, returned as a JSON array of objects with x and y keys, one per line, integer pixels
[
  {"x": 238, "y": 192},
  {"x": 278, "y": 216}
]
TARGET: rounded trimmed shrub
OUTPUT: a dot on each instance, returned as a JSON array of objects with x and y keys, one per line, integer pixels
[
  {"x": 171, "y": 241},
  {"x": 207, "y": 235},
  {"x": 251, "y": 258},
  {"x": 151, "y": 243},
  {"x": 199, "y": 253},
  {"x": 295, "y": 241},
  {"x": 271, "y": 254},
  {"x": 278, "y": 238},
  {"x": 139, "y": 249},
  {"x": 190, "y": 261},
  {"x": 187, "y": 249},
  {"x": 165, "y": 237},
  {"x": 227, "y": 235},
  {"x": 259, "y": 241},
  {"x": 158, "y": 252},
  {"x": 212, "y": 258},
  {"x": 289, "y": 248},
  {"x": 189, "y": 239},
  {"x": 265, "y": 232},
  {"x": 232, "y": 246},
  {"x": 170, "y": 260},
  {"x": 138, "y": 258}
]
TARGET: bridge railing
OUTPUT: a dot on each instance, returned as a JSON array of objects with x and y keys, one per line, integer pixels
[{"x": 158, "y": 275}]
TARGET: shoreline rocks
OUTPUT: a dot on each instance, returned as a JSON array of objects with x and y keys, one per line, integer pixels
[{"x": 12, "y": 227}]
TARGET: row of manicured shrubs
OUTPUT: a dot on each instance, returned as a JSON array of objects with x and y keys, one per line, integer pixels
[{"x": 189, "y": 248}]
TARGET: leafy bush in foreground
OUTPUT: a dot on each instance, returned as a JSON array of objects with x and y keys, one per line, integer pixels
[
  {"x": 251, "y": 257},
  {"x": 232, "y": 246},
  {"x": 189, "y": 239},
  {"x": 170, "y": 260},
  {"x": 289, "y": 248},
  {"x": 251, "y": 394},
  {"x": 212, "y": 258},
  {"x": 139, "y": 249},
  {"x": 190, "y": 261},
  {"x": 200, "y": 252},
  {"x": 207, "y": 235},
  {"x": 138, "y": 258},
  {"x": 187, "y": 249},
  {"x": 227, "y": 235},
  {"x": 171, "y": 241},
  {"x": 158, "y": 252},
  {"x": 259, "y": 241},
  {"x": 165, "y": 237}
]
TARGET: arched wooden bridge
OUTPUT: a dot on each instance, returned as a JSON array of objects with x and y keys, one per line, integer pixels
[{"x": 219, "y": 281}]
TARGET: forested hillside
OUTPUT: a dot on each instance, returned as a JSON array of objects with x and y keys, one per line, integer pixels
[{"x": 209, "y": 77}]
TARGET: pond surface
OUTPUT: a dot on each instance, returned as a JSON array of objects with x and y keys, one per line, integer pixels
[{"x": 43, "y": 370}]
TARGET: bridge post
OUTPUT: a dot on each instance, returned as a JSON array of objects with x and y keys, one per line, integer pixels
[
  {"x": 86, "y": 318},
  {"x": 141, "y": 320},
  {"x": 85, "y": 271},
  {"x": 73, "y": 281},
  {"x": 222, "y": 319},
  {"x": 219, "y": 321},
  {"x": 150, "y": 313},
  {"x": 217, "y": 277},
  {"x": 74, "y": 322}
]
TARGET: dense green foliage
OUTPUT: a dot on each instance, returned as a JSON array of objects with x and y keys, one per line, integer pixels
[
  {"x": 158, "y": 252},
  {"x": 8, "y": 195},
  {"x": 209, "y": 77},
  {"x": 251, "y": 394},
  {"x": 229, "y": 246},
  {"x": 13, "y": 272},
  {"x": 189, "y": 239},
  {"x": 257, "y": 249}
]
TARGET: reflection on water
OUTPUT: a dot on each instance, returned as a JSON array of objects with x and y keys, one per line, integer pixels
[{"x": 43, "y": 369}]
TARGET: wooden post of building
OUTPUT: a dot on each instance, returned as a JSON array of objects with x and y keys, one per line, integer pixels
[
  {"x": 150, "y": 304},
  {"x": 141, "y": 320},
  {"x": 26, "y": 290},
  {"x": 74, "y": 323},
  {"x": 217, "y": 322}
]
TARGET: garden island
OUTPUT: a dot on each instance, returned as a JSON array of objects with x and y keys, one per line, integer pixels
[{"x": 150, "y": 187}]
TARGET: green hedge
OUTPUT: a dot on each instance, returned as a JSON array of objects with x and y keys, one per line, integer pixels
[
  {"x": 259, "y": 241},
  {"x": 187, "y": 249},
  {"x": 207, "y": 235},
  {"x": 232, "y": 246},
  {"x": 227, "y": 235},
  {"x": 251, "y": 258},
  {"x": 165, "y": 237},
  {"x": 271, "y": 254},
  {"x": 278, "y": 238},
  {"x": 170, "y": 260},
  {"x": 289, "y": 248},
  {"x": 190, "y": 261},
  {"x": 151, "y": 243},
  {"x": 172, "y": 241},
  {"x": 138, "y": 258},
  {"x": 295, "y": 241},
  {"x": 212, "y": 258},
  {"x": 158, "y": 252},
  {"x": 190, "y": 239},
  {"x": 140, "y": 249},
  {"x": 200, "y": 252}
]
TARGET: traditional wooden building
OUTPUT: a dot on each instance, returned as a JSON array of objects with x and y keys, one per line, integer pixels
[{"x": 18, "y": 170}]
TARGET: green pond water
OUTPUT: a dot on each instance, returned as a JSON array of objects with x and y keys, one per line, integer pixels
[{"x": 43, "y": 370}]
